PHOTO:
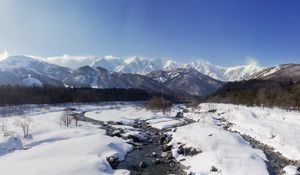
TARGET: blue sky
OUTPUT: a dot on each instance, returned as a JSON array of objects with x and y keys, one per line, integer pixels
[{"x": 224, "y": 32}]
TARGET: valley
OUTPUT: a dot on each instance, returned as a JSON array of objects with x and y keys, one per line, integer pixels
[{"x": 124, "y": 138}]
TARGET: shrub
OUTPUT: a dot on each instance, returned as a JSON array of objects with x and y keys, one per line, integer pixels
[{"x": 156, "y": 104}]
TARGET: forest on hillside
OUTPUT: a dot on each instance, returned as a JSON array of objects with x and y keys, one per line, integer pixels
[
  {"x": 15, "y": 95},
  {"x": 260, "y": 93}
]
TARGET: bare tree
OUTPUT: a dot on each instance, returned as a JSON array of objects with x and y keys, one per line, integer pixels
[
  {"x": 156, "y": 104},
  {"x": 194, "y": 104},
  {"x": 66, "y": 118},
  {"x": 3, "y": 124},
  {"x": 24, "y": 124}
]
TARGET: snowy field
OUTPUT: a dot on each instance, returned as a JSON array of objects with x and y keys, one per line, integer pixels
[
  {"x": 55, "y": 149},
  {"x": 52, "y": 148},
  {"x": 277, "y": 128},
  {"x": 225, "y": 151}
]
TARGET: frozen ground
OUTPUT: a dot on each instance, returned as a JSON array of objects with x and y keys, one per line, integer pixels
[
  {"x": 216, "y": 148},
  {"x": 127, "y": 114},
  {"x": 52, "y": 148},
  {"x": 277, "y": 128},
  {"x": 55, "y": 149}
]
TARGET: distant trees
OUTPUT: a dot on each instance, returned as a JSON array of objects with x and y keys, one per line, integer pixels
[
  {"x": 261, "y": 93},
  {"x": 194, "y": 103},
  {"x": 156, "y": 104},
  {"x": 15, "y": 95}
]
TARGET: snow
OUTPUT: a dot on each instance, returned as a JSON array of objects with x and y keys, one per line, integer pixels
[
  {"x": 291, "y": 170},
  {"x": 226, "y": 151},
  {"x": 125, "y": 127},
  {"x": 56, "y": 149},
  {"x": 31, "y": 82},
  {"x": 275, "y": 69},
  {"x": 135, "y": 65},
  {"x": 125, "y": 114},
  {"x": 138, "y": 134},
  {"x": 82, "y": 155},
  {"x": 164, "y": 123},
  {"x": 141, "y": 65},
  {"x": 275, "y": 127}
]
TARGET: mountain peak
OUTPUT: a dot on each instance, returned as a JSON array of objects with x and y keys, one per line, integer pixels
[
  {"x": 134, "y": 59},
  {"x": 19, "y": 60}
]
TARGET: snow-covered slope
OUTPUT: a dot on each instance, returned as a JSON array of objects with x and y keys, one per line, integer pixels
[
  {"x": 53, "y": 148},
  {"x": 24, "y": 69},
  {"x": 140, "y": 65},
  {"x": 186, "y": 81},
  {"x": 281, "y": 72},
  {"x": 274, "y": 127},
  {"x": 135, "y": 65},
  {"x": 227, "y": 152},
  {"x": 98, "y": 77}
]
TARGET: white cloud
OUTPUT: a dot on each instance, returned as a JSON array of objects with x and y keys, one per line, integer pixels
[
  {"x": 3, "y": 55},
  {"x": 252, "y": 61},
  {"x": 71, "y": 61}
]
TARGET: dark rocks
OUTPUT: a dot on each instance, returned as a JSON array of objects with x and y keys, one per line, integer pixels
[
  {"x": 189, "y": 151},
  {"x": 183, "y": 159},
  {"x": 162, "y": 138},
  {"x": 214, "y": 169},
  {"x": 151, "y": 154},
  {"x": 179, "y": 115},
  {"x": 156, "y": 161},
  {"x": 167, "y": 147},
  {"x": 134, "y": 138},
  {"x": 180, "y": 150},
  {"x": 170, "y": 156},
  {"x": 113, "y": 161},
  {"x": 168, "y": 139},
  {"x": 212, "y": 110},
  {"x": 142, "y": 164},
  {"x": 164, "y": 154},
  {"x": 154, "y": 154},
  {"x": 116, "y": 133}
]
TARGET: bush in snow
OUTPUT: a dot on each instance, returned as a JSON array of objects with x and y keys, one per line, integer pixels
[
  {"x": 24, "y": 124},
  {"x": 3, "y": 124},
  {"x": 156, "y": 104},
  {"x": 194, "y": 104},
  {"x": 66, "y": 118}
]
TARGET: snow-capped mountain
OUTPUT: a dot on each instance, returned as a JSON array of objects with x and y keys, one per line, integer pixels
[
  {"x": 87, "y": 76},
  {"x": 140, "y": 65},
  {"x": 186, "y": 81},
  {"x": 134, "y": 65},
  {"x": 108, "y": 62},
  {"x": 283, "y": 72},
  {"x": 112, "y": 72},
  {"x": 24, "y": 70}
]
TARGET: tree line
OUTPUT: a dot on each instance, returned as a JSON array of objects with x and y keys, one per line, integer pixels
[
  {"x": 16, "y": 95},
  {"x": 260, "y": 93}
]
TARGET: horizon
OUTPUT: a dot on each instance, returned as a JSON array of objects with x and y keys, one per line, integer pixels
[
  {"x": 74, "y": 62},
  {"x": 223, "y": 33}
]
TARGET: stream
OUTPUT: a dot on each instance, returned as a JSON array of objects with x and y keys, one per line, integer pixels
[{"x": 149, "y": 156}]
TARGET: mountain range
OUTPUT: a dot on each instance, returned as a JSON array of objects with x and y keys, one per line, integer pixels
[
  {"x": 140, "y": 65},
  {"x": 283, "y": 72},
  {"x": 197, "y": 78}
]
